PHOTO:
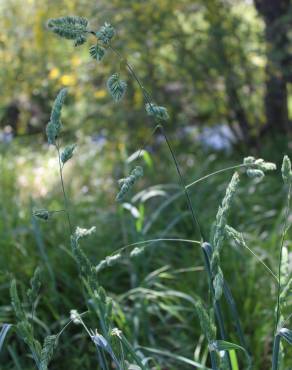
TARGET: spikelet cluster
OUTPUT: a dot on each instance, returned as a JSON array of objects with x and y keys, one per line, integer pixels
[
  {"x": 223, "y": 211},
  {"x": 86, "y": 269},
  {"x": 219, "y": 233},
  {"x": 15, "y": 301},
  {"x": 128, "y": 182},
  {"x": 41, "y": 355},
  {"x": 75, "y": 317},
  {"x": 97, "y": 52},
  {"x": 286, "y": 292},
  {"x": 158, "y": 112},
  {"x": 235, "y": 235},
  {"x": 54, "y": 126},
  {"x": 137, "y": 252},
  {"x": 25, "y": 331},
  {"x": 105, "y": 33},
  {"x": 67, "y": 153},
  {"x": 116, "y": 87},
  {"x": 108, "y": 262},
  {"x": 286, "y": 279},
  {"x": 42, "y": 214},
  {"x": 206, "y": 321},
  {"x": 47, "y": 351},
  {"x": 256, "y": 168},
  {"x": 82, "y": 232},
  {"x": 71, "y": 28},
  {"x": 286, "y": 170},
  {"x": 218, "y": 283},
  {"x": 35, "y": 284},
  {"x": 100, "y": 302}
]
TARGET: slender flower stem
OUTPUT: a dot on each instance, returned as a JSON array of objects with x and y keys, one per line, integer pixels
[
  {"x": 276, "y": 346},
  {"x": 150, "y": 241},
  {"x": 57, "y": 211},
  {"x": 148, "y": 99},
  {"x": 278, "y": 312},
  {"x": 261, "y": 261},
  {"x": 66, "y": 203},
  {"x": 146, "y": 142},
  {"x": 215, "y": 173}
]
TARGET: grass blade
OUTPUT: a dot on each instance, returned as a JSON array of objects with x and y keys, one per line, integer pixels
[{"x": 4, "y": 330}]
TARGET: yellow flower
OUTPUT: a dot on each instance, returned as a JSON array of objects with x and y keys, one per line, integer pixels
[
  {"x": 100, "y": 94},
  {"x": 68, "y": 80},
  {"x": 138, "y": 99},
  {"x": 75, "y": 61},
  {"x": 54, "y": 73}
]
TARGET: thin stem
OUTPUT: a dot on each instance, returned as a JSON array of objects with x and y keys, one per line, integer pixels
[
  {"x": 286, "y": 320},
  {"x": 215, "y": 173},
  {"x": 194, "y": 217},
  {"x": 146, "y": 142},
  {"x": 154, "y": 241},
  {"x": 278, "y": 312},
  {"x": 68, "y": 323},
  {"x": 262, "y": 262},
  {"x": 148, "y": 99},
  {"x": 57, "y": 211},
  {"x": 66, "y": 203}
]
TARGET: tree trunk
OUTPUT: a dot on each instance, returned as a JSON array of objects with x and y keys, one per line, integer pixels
[{"x": 276, "y": 99}]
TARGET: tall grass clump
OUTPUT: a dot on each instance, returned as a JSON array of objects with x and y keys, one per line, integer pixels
[{"x": 114, "y": 349}]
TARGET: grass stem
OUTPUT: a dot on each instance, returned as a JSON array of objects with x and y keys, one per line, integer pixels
[{"x": 66, "y": 203}]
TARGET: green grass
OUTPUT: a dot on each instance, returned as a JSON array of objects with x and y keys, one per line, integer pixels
[
  {"x": 126, "y": 299},
  {"x": 152, "y": 292}
]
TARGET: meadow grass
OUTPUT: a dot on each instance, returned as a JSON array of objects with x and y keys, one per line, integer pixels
[{"x": 116, "y": 323}]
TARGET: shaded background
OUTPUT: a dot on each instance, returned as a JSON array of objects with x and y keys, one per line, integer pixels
[{"x": 223, "y": 69}]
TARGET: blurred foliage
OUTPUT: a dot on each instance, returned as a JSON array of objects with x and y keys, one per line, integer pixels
[{"x": 188, "y": 53}]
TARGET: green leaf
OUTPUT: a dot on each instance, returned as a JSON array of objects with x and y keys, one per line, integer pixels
[
  {"x": 233, "y": 359},
  {"x": 222, "y": 345},
  {"x": 4, "y": 330},
  {"x": 116, "y": 87},
  {"x": 70, "y": 27},
  {"x": 97, "y": 52},
  {"x": 101, "y": 342}
]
